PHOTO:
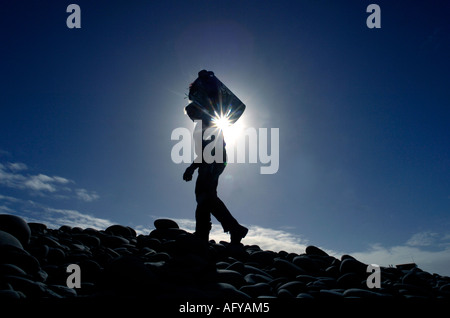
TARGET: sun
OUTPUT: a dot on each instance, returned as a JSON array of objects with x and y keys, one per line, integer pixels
[
  {"x": 231, "y": 131},
  {"x": 221, "y": 122}
]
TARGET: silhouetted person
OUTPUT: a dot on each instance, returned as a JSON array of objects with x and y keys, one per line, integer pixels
[{"x": 206, "y": 190}]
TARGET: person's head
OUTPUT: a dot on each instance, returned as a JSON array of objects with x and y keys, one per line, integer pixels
[{"x": 205, "y": 74}]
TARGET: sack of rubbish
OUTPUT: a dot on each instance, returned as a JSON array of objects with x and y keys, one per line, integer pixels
[{"x": 210, "y": 98}]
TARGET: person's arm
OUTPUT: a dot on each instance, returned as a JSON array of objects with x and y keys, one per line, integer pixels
[{"x": 187, "y": 176}]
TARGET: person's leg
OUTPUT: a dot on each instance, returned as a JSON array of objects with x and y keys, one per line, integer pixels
[
  {"x": 202, "y": 212},
  {"x": 221, "y": 212}
]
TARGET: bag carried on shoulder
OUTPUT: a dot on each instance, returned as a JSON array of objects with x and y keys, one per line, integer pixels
[{"x": 211, "y": 98}]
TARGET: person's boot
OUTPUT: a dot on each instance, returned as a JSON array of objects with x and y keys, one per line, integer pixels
[
  {"x": 202, "y": 232},
  {"x": 204, "y": 237},
  {"x": 238, "y": 233}
]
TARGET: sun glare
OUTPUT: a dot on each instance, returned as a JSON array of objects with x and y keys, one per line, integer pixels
[
  {"x": 221, "y": 122},
  {"x": 231, "y": 131}
]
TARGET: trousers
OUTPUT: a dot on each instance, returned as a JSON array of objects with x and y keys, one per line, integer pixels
[{"x": 208, "y": 202}]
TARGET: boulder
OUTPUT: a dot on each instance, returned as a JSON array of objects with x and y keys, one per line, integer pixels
[
  {"x": 37, "y": 228},
  {"x": 167, "y": 234},
  {"x": 230, "y": 277},
  {"x": 13, "y": 255},
  {"x": 262, "y": 257},
  {"x": 312, "y": 250},
  {"x": 8, "y": 239},
  {"x": 120, "y": 230},
  {"x": 362, "y": 293},
  {"x": 350, "y": 280},
  {"x": 128, "y": 275},
  {"x": 351, "y": 265},
  {"x": 306, "y": 263},
  {"x": 165, "y": 224},
  {"x": 294, "y": 287},
  {"x": 287, "y": 268},
  {"x": 258, "y": 289},
  {"x": 16, "y": 226}
]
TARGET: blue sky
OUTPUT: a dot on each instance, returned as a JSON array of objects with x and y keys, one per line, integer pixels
[{"x": 86, "y": 117}]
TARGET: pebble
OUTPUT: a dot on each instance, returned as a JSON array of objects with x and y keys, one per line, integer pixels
[
  {"x": 306, "y": 263},
  {"x": 119, "y": 230},
  {"x": 350, "y": 265},
  {"x": 258, "y": 289},
  {"x": 362, "y": 293},
  {"x": 7, "y": 239},
  {"x": 170, "y": 262},
  {"x": 287, "y": 267},
  {"x": 312, "y": 250},
  {"x": 16, "y": 226},
  {"x": 350, "y": 280},
  {"x": 230, "y": 277},
  {"x": 294, "y": 287},
  {"x": 165, "y": 224}
]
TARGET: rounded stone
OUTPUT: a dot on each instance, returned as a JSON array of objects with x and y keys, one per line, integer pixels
[
  {"x": 262, "y": 257},
  {"x": 165, "y": 224},
  {"x": 306, "y": 263},
  {"x": 30, "y": 288},
  {"x": 90, "y": 270},
  {"x": 120, "y": 230},
  {"x": 37, "y": 228},
  {"x": 294, "y": 287},
  {"x": 257, "y": 278},
  {"x": 288, "y": 268},
  {"x": 361, "y": 293},
  {"x": 128, "y": 274},
  {"x": 228, "y": 291},
  {"x": 305, "y": 296},
  {"x": 158, "y": 257},
  {"x": 65, "y": 228},
  {"x": 15, "y": 226},
  {"x": 88, "y": 240},
  {"x": 254, "y": 270},
  {"x": 350, "y": 265},
  {"x": 231, "y": 277},
  {"x": 8, "y": 239},
  {"x": 313, "y": 250},
  {"x": 11, "y": 269},
  {"x": 332, "y": 271},
  {"x": 40, "y": 251},
  {"x": 349, "y": 280},
  {"x": 445, "y": 288},
  {"x": 284, "y": 293},
  {"x": 330, "y": 294},
  {"x": 258, "y": 289},
  {"x": 56, "y": 256},
  {"x": 10, "y": 294},
  {"x": 167, "y": 234},
  {"x": 237, "y": 266},
  {"x": 114, "y": 241},
  {"x": 146, "y": 241},
  {"x": 414, "y": 278}
]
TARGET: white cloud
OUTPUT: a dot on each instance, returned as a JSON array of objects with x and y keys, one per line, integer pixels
[
  {"x": 11, "y": 179},
  {"x": 58, "y": 217},
  {"x": 422, "y": 239},
  {"x": 61, "y": 180},
  {"x": 12, "y": 176},
  {"x": 430, "y": 261},
  {"x": 17, "y": 166},
  {"x": 40, "y": 183},
  {"x": 33, "y": 211},
  {"x": 85, "y": 195},
  {"x": 6, "y": 210}
]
